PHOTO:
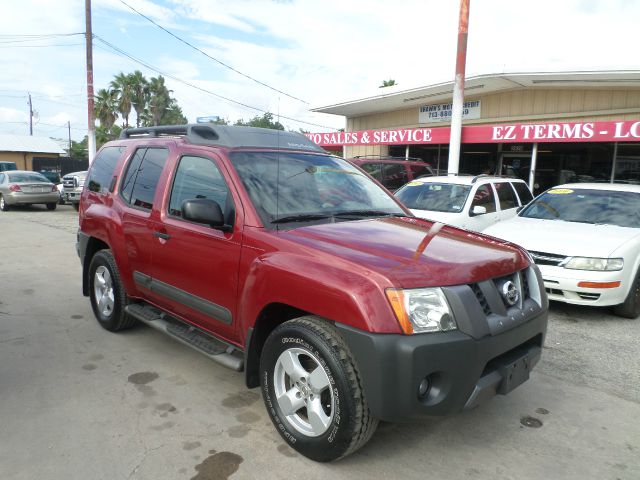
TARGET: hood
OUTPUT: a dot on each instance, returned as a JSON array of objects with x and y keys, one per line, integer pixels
[
  {"x": 412, "y": 252},
  {"x": 455, "y": 219},
  {"x": 563, "y": 238}
]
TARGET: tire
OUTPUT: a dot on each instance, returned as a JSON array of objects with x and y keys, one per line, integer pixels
[
  {"x": 51, "y": 206},
  {"x": 306, "y": 363},
  {"x": 3, "y": 205},
  {"x": 76, "y": 206},
  {"x": 631, "y": 306},
  {"x": 107, "y": 294}
]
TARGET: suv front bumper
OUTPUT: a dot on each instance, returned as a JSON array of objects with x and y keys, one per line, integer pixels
[{"x": 459, "y": 371}]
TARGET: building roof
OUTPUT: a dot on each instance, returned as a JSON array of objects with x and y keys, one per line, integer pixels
[
  {"x": 480, "y": 85},
  {"x": 24, "y": 143}
]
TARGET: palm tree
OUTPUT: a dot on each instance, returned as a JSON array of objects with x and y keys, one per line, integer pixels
[
  {"x": 139, "y": 94},
  {"x": 105, "y": 108},
  {"x": 159, "y": 100},
  {"x": 121, "y": 85}
]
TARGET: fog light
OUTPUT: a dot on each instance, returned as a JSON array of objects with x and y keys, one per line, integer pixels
[{"x": 424, "y": 387}]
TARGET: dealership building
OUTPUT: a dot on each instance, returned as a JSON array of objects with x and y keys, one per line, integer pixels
[{"x": 546, "y": 128}]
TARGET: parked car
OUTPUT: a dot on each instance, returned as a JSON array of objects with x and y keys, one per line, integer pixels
[
  {"x": 470, "y": 202},
  {"x": 585, "y": 237},
  {"x": 5, "y": 166},
  {"x": 392, "y": 172},
  {"x": 268, "y": 255},
  {"x": 54, "y": 177},
  {"x": 72, "y": 185},
  {"x": 19, "y": 187}
]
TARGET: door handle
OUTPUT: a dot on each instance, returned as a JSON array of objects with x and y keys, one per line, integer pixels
[{"x": 163, "y": 236}]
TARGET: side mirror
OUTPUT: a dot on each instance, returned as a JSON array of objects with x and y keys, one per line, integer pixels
[
  {"x": 478, "y": 210},
  {"x": 204, "y": 210}
]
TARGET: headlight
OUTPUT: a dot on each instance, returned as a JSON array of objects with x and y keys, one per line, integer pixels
[
  {"x": 598, "y": 264},
  {"x": 421, "y": 310}
]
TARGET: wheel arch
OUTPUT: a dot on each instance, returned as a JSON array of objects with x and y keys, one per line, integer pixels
[
  {"x": 93, "y": 245},
  {"x": 268, "y": 319}
]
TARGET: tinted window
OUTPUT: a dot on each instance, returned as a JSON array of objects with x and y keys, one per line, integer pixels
[
  {"x": 394, "y": 175},
  {"x": 523, "y": 192},
  {"x": 197, "y": 177},
  {"x": 587, "y": 206},
  {"x": 373, "y": 169},
  {"x": 53, "y": 177},
  {"x": 484, "y": 197},
  {"x": 419, "y": 170},
  {"x": 506, "y": 195},
  {"x": 437, "y": 197},
  {"x": 102, "y": 169},
  {"x": 1, "y": 177},
  {"x": 142, "y": 176}
]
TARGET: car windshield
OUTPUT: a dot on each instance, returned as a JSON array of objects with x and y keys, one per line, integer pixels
[
  {"x": 299, "y": 187},
  {"x": 27, "y": 177},
  {"x": 606, "y": 207},
  {"x": 437, "y": 197}
]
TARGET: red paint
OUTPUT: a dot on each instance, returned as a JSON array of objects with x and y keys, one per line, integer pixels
[
  {"x": 338, "y": 271},
  {"x": 551, "y": 132}
]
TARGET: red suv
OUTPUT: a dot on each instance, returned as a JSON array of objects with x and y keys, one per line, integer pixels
[
  {"x": 393, "y": 172},
  {"x": 270, "y": 256}
]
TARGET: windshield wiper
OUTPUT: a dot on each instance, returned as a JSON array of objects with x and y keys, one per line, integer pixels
[
  {"x": 305, "y": 217},
  {"x": 367, "y": 213}
]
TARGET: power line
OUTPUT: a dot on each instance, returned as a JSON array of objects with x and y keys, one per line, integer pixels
[
  {"x": 151, "y": 67},
  {"x": 43, "y": 46},
  {"x": 209, "y": 56}
]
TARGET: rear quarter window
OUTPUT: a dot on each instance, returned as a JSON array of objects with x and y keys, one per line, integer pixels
[{"x": 102, "y": 169}]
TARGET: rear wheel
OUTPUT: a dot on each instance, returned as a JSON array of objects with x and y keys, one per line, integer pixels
[
  {"x": 107, "y": 294},
  {"x": 3, "y": 205},
  {"x": 312, "y": 390},
  {"x": 631, "y": 306},
  {"x": 51, "y": 206}
]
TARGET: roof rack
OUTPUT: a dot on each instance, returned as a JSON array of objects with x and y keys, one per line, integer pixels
[{"x": 226, "y": 136}]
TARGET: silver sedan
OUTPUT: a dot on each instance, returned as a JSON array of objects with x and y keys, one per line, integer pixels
[{"x": 20, "y": 187}]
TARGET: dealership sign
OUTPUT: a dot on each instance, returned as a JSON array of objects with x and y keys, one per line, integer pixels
[
  {"x": 627, "y": 131},
  {"x": 442, "y": 112}
]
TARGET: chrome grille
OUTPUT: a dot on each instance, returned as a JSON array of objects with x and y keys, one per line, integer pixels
[{"x": 542, "y": 258}]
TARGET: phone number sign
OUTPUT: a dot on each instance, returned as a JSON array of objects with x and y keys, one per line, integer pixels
[{"x": 442, "y": 112}]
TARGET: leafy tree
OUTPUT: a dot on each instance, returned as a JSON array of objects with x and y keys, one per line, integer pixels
[
  {"x": 105, "y": 108},
  {"x": 159, "y": 101},
  {"x": 139, "y": 94},
  {"x": 264, "y": 121},
  {"x": 79, "y": 150},
  {"x": 388, "y": 83},
  {"x": 122, "y": 87}
]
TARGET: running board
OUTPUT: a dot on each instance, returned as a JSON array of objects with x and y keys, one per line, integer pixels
[{"x": 216, "y": 349}]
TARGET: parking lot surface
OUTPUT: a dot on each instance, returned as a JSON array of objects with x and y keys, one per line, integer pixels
[{"x": 78, "y": 402}]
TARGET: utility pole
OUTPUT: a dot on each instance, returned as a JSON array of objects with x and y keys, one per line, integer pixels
[
  {"x": 69, "y": 127},
  {"x": 458, "y": 90},
  {"x": 91, "y": 134},
  {"x": 30, "y": 116}
]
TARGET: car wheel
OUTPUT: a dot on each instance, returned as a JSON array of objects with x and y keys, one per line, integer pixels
[
  {"x": 3, "y": 205},
  {"x": 312, "y": 391},
  {"x": 51, "y": 206},
  {"x": 107, "y": 294},
  {"x": 631, "y": 306}
]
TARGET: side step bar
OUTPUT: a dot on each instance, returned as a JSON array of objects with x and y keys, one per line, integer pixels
[{"x": 216, "y": 349}]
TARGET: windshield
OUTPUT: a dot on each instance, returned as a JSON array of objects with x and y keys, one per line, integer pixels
[
  {"x": 290, "y": 187},
  {"x": 437, "y": 197},
  {"x": 587, "y": 206},
  {"x": 27, "y": 177}
]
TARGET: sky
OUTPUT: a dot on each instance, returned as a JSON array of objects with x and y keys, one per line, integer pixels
[{"x": 288, "y": 56}]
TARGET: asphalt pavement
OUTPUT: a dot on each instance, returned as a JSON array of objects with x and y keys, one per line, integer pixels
[{"x": 78, "y": 402}]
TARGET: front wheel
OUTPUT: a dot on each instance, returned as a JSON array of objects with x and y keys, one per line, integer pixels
[
  {"x": 312, "y": 390},
  {"x": 631, "y": 306},
  {"x": 51, "y": 206},
  {"x": 107, "y": 294}
]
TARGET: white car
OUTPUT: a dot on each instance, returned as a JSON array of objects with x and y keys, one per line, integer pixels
[
  {"x": 465, "y": 201},
  {"x": 585, "y": 238}
]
